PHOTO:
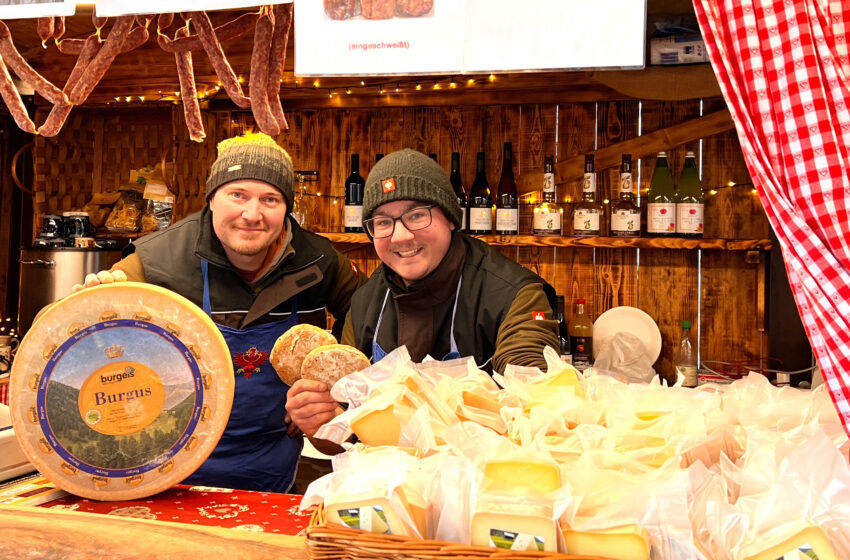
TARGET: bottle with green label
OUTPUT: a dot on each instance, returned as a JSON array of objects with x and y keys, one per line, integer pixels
[
  {"x": 689, "y": 200},
  {"x": 661, "y": 201}
]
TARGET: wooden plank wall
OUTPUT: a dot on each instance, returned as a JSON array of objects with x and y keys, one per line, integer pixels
[{"x": 721, "y": 292}]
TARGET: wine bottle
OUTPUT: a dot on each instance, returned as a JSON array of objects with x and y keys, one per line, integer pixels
[
  {"x": 689, "y": 200},
  {"x": 507, "y": 203},
  {"x": 563, "y": 335},
  {"x": 457, "y": 185},
  {"x": 625, "y": 215},
  {"x": 546, "y": 216},
  {"x": 581, "y": 337},
  {"x": 661, "y": 201},
  {"x": 480, "y": 203},
  {"x": 353, "y": 218},
  {"x": 588, "y": 211}
]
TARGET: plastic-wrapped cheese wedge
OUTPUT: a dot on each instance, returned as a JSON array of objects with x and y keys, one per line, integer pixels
[
  {"x": 628, "y": 542},
  {"x": 381, "y": 419},
  {"x": 121, "y": 391},
  {"x": 514, "y": 526},
  {"x": 371, "y": 511},
  {"x": 806, "y": 541}
]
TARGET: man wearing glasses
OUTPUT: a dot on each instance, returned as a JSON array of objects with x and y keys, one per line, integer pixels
[{"x": 438, "y": 292}]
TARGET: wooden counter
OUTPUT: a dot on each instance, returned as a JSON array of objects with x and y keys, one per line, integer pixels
[{"x": 38, "y": 533}]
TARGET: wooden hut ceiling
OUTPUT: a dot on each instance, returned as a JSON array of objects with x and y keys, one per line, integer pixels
[{"x": 150, "y": 72}]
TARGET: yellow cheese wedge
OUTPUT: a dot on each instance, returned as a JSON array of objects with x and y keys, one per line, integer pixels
[
  {"x": 514, "y": 531},
  {"x": 810, "y": 538},
  {"x": 378, "y": 427},
  {"x": 477, "y": 400},
  {"x": 628, "y": 542},
  {"x": 517, "y": 475}
]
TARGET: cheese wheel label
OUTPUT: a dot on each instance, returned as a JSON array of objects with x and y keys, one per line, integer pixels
[
  {"x": 121, "y": 398},
  {"x": 124, "y": 424}
]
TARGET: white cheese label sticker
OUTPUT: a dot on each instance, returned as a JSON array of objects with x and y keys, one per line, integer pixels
[
  {"x": 511, "y": 540},
  {"x": 367, "y": 518}
]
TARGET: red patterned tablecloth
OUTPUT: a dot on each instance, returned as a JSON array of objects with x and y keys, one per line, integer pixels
[{"x": 218, "y": 507}]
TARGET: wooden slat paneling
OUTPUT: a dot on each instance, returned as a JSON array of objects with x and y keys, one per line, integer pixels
[{"x": 616, "y": 269}]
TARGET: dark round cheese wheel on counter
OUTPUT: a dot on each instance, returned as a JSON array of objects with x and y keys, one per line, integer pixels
[{"x": 121, "y": 391}]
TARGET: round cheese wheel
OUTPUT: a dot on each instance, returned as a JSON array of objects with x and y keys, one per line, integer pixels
[
  {"x": 292, "y": 346},
  {"x": 332, "y": 362},
  {"x": 121, "y": 391}
]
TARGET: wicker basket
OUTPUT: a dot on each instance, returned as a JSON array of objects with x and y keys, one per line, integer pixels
[{"x": 333, "y": 542}]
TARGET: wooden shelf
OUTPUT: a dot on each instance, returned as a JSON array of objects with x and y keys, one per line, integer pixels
[{"x": 593, "y": 242}]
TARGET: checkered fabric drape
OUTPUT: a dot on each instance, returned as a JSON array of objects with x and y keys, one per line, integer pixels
[{"x": 783, "y": 69}]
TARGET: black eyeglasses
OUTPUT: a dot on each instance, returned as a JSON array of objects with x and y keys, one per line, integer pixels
[{"x": 414, "y": 219}]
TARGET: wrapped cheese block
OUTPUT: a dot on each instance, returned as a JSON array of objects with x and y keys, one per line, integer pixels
[{"x": 121, "y": 391}]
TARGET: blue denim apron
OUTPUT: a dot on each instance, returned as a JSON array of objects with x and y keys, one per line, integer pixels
[
  {"x": 254, "y": 453},
  {"x": 378, "y": 352}
]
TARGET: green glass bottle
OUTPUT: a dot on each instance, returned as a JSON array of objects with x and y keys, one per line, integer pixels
[
  {"x": 661, "y": 201},
  {"x": 689, "y": 200}
]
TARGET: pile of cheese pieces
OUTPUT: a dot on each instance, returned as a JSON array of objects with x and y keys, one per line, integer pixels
[{"x": 588, "y": 464}]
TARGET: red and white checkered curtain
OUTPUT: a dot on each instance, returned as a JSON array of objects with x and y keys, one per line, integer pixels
[{"x": 783, "y": 68}]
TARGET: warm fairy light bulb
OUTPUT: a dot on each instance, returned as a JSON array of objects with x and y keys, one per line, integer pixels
[
  {"x": 330, "y": 94},
  {"x": 381, "y": 90},
  {"x": 127, "y": 99},
  {"x": 755, "y": 191},
  {"x": 418, "y": 87},
  {"x": 492, "y": 78},
  {"x": 397, "y": 88},
  {"x": 348, "y": 91},
  {"x": 177, "y": 93},
  {"x": 141, "y": 98},
  {"x": 470, "y": 81},
  {"x": 362, "y": 83},
  {"x": 436, "y": 86},
  {"x": 730, "y": 184},
  {"x": 117, "y": 99},
  {"x": 712, "y": 192},
  {"x": 606, "y": 201},
  {"x": 452, "y": 85},
  {"x": 316, "y": 84},
  {"x": 241, "y": 80}
]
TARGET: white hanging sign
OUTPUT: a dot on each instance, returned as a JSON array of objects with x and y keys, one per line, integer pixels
[
  {"x": 361, "y": 37},
  {"x": 345, "y": 38},
  {"x": 21, "y": 9}
]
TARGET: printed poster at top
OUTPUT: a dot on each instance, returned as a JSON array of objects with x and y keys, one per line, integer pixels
[
  {"x": 111, "y": 8},
  {"x": 505, "y": 35},
  {"x": 360, "y": 37},
  {"x": 20, "y": 9}
]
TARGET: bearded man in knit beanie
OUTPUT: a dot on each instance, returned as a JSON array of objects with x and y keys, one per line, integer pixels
[
  {"x": 257, "y": 273},
  {"x": 438, "y": 292}
]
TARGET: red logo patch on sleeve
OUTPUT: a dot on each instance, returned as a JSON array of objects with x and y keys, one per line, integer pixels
[
  {"x": 354, "y": 268},
  {"x": 388, "y": 185},
  {"x": 538, "y": 315}
]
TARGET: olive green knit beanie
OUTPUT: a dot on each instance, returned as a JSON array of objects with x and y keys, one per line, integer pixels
[
  {"x": 252, "y": 156},
  {"x": 410, "y": 175}
]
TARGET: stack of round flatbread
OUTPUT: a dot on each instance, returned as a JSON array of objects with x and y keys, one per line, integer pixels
[{"x": 308, "y": 352}]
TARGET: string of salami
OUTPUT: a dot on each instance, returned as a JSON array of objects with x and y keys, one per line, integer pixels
[{"x": 95, "y": 54}]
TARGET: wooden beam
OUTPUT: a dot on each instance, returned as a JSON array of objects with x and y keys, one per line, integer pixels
[
  {"x": 572, "y": 169},
  {"x": 50, "y": 533}
]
